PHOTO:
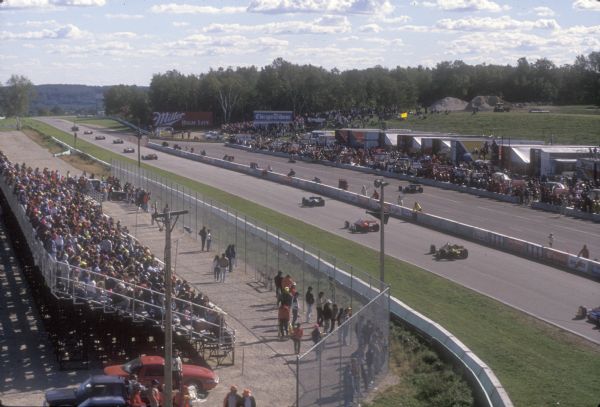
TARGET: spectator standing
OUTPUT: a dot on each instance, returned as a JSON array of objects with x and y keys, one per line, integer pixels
[
  {"x": 295, "y": 307},
  {"x": 232, "y": 399},
  {"x": 327, "y": 315},
  {"x": 203, "y": 235},
  {"x": 310, "y": 300},
  {"x": 550, "y": 240},
  {"x": 247, "y": 399},
  {"x": 320, "y": 302},
  {"x": 400, "y": 198},
  {"x": 297, "y": 334},
  {"x": 230, "y": 254},
  {"x": 208, "y": 240},
  {"x": 177, "y": 370},
  {"x": 315, "y": 335},
  {"x": 154, "y": 396},
  {"x": 135, "y": 399},
  {"x": 277, "y": 281},
  {"x": 348, "y": 381},
  {"x": 283, "y": 316},
  {"x": 334, "y": 316},
  {"x": 584, "y": 252},
  {"x": 223, "y": 266},
  {"x": 216, "y": 269}
]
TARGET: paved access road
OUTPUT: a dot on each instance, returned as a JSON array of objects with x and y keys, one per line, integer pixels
[{"x": 543, "y": 291}]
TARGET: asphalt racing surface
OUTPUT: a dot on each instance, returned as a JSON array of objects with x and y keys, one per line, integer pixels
[{"x": 545, "y": 292}]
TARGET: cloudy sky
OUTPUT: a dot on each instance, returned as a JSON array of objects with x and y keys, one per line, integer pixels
[{"x": 107, "y": 42}]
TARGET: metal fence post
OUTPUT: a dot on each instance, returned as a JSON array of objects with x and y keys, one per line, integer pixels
[{"x": 245, "y": 244}]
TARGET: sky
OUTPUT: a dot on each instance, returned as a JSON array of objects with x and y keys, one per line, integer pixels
[{"x": 110, "y": 42}]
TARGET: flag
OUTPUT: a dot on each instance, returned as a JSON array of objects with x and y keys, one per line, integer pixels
[{"x": 403, "y": 115}]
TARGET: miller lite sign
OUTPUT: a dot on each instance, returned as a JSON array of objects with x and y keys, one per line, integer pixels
[{"x": 180, "y": 120}]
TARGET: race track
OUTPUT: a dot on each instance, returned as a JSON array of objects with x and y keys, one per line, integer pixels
[{"x": 546, "y": 292}]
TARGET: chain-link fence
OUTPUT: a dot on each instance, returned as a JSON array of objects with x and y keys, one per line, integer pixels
[
  {"x": 348, "y": 362},
  {"x": 259, "y": 249},
  {"x": 353, "y": 354}
]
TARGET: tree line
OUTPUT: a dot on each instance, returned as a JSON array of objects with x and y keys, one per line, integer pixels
[{"x": 233, "y": 94}]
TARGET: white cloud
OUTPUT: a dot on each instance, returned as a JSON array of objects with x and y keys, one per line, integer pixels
[
  {"x": 494, "y": 24},
  {"x": 321, "y": 25},
  {"x": 394, "y": 20},
  {"x": 466, "y": 5},
  {"x": 124, "y": 16},
  {"x": 586, "y": 5},
  {"x": 370, "y": 28},
  {"x": 29, "y": 4},
  {"x": 544, "y": 11},
  {"x": 321, "y": 6},
  {"x": 180, "y": 24},
  {"x": 68, "y": 31},
  {"x": 173, "y": 8}
]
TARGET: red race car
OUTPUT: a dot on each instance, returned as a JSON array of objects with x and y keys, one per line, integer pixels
[
  {"x": 148, "y": 368},
  {"x": 364, "y": 226}
]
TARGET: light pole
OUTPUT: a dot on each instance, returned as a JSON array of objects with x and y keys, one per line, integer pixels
[
  {"x": 139, "y": 137},
  {"x": 380, "y": 183},
  {"x": 166, "y": 217}
]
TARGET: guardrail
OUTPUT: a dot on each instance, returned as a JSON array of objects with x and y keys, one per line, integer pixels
[
  {"x": 532, "y": 251},
  {"x": 488, "y": 390}
]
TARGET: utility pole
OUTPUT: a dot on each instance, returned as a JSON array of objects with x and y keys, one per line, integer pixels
[
  {"x": 166, "y": 218},
  {"x": 139, "y": 137},
  {"x": 380, "y": 183}
]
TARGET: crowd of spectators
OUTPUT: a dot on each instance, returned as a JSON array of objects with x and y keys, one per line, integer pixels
[
  {"x": 105, "y": 263},
  {"x": 478, "y": 173}
]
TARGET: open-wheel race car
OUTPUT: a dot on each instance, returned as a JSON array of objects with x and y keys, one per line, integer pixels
[
  {"x": 411, "y": 188},
  {"x": 150, "y": 156},
  {"x": 118, "y": 141},
  {"x": 88, "y": 132},
  {"x": 99, "y": 137},
  {"x": 450, "y": 252},
  {"x": 363, "y": 226},
  {"x": 129, "y": 150},
  {"x": 312, "y": 201}
]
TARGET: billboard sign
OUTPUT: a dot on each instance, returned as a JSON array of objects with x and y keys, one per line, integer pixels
[
  {"x": 265, "y": 117},
  {"x": 180, "y": 120}
]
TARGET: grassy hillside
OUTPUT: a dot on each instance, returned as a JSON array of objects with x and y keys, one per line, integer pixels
[
  {"x": 538, "y": 364},
  {"x": 567, "y": 125}
]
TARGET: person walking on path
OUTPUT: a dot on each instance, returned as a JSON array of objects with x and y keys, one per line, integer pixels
[
  {"x": 297, "y": 334},
  {"x": 203, "y": 235},
  {"x": 400, "y": 198},
  {"x": 310, "y": 301},
  {"x": 283, "y": 316},
  {"x": 230, "y": 254},
  {"x": 550, "y": 240},
  {"x": 247, "y": 399},
  {"x": 223, "y": 266},
  {"x": 216, "y": 269},
  {"x": 232, "y": 399},
  {"x": 208, "y": 240}
]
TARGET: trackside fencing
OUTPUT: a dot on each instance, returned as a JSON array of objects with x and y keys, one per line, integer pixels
[{"x": 267, "y": 250}]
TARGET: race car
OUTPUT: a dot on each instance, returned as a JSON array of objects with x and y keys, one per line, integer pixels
[
  {"x": 117, "y": 141},
  {"x": 88, "y": 132},
  {"x": 450, "y": 252},
  {"x": 364, "y": 226},
  {"x": 99, "y": 137},
  {"x": 129, "y": 150},
  {"x": 150, "y": 156},
  {"x": 313, "y": 201},
  {"x": 411, "y": 188}
]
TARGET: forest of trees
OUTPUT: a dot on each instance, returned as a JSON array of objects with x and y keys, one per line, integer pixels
[{"x": 233, "y": 94}]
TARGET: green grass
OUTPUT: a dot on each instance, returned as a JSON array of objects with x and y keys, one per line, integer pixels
[
  {"x": 570, "y": 126},
  {"x": 106, "y": 123},
  {"x": 539, "y": 365},
  {"x": 8, "y": 124}
]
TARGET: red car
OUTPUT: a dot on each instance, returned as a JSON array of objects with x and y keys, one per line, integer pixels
[
  {"x": 148, "y": 368},
  {"x": 364, "y": 226}
]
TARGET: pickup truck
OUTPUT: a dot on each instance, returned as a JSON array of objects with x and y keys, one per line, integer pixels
[{"x": 97, "y": 391}]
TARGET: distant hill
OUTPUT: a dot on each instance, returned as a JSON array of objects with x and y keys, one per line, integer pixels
[{"x": 67, "y": 99}]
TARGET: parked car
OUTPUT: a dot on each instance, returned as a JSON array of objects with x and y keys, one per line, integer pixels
[
  {"x": 129, "y": 150},
  {"x": 88, "y": 132},
  {"x": 412, "y": 189},
  {"x": 313, "y": 201},
  {"x": 364, "y": 226},
  {"x": 150, "y": 156},
  {"x": 99, "y": 137},
  {"x": 118, "y": 141},
  {"x": 148, "y": 368},
  {"x": 99, "y": 390}
]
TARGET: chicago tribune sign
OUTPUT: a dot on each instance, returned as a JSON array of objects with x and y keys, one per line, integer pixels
[{"x": 180, "y": 120}]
